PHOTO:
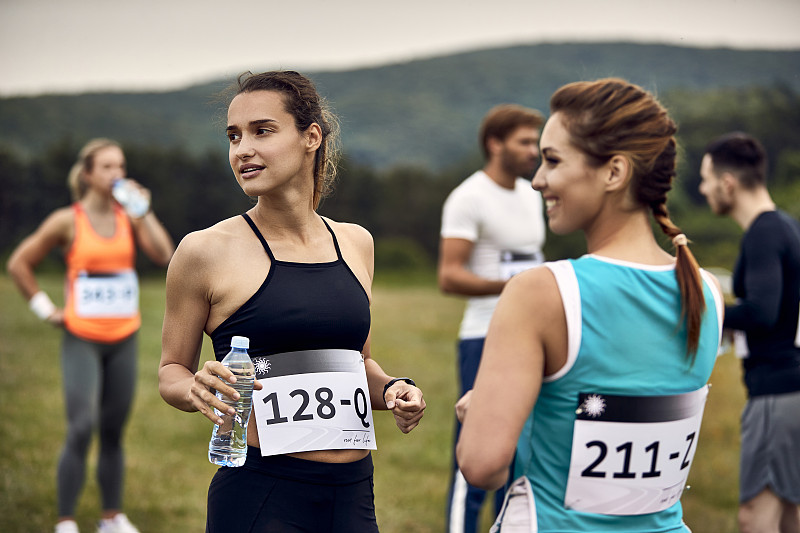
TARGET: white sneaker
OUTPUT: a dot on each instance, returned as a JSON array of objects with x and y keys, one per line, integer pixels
[
  {"x": 67, "y": 526},
  {"x": 118, "y": 524}
]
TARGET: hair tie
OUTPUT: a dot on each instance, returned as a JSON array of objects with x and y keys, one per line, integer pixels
[{"x": 680, "y": 240}]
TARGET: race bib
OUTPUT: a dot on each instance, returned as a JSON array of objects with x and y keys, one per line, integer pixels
[
  {"x": 631, "y": 455},
  {"x": 101, "y": 295},
  {"x": 512, "y": 263},
  {"x": 313, "y": 400}
]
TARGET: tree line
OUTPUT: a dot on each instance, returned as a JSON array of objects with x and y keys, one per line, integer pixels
[{"x": 401, "y": 205}]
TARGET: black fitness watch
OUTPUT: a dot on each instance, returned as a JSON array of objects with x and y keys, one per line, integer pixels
[{"x": 393, "y": 381}]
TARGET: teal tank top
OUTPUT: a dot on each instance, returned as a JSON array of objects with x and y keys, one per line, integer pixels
[{"x": 626, "y": 338}]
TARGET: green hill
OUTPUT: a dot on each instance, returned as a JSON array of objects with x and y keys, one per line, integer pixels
[{"x": 421, "y": 113}]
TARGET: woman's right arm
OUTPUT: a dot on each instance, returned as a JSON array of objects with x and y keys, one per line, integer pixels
[
  {"x": 55, "y": 231},
  {"x": 527, "y": 329},
  {"x": 188, "y": 303},
  {"x": 185, "y": 315}
]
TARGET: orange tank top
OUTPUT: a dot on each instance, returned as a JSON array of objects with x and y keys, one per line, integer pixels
[{"x": 102, "y": 289}]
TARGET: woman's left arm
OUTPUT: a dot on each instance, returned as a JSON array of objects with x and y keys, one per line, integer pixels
[
  {"x": 153, "y": 238},
  {"x": 151, "y": 235},
  {"x": 402, "y": 398}
]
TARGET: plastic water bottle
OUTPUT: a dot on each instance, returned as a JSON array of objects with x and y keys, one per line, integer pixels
[
  {"x": 228, "y": 445},
  {"x": 127, "y": 194}
]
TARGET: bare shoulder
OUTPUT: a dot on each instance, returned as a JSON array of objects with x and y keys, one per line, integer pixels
[
  {"x": 353, "y": 240},
  {"x": 353, "y": 233},
  {"x": 534, "y": 293},
  {"x": 57, "y": 229},
  {"x": 531, "y": 303},
  {"x": 63, "y": 213},
  {"x": 358, "y": 250},
  {"x": 538, "y": 281},
  {"x": 203, "y": 248},
  {"x": 61, "y": 220}
]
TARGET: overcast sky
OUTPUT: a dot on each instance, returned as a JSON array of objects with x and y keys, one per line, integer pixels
[{"x": 51, "y": 46}]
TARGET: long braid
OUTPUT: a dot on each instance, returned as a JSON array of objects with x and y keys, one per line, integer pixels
[{"x": 652, "y": 190}]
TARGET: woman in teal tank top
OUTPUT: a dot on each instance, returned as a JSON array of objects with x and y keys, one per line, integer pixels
[{"x": 593, "y": 378}]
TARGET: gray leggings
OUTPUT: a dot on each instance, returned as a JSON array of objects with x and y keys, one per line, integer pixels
[{"x": 99, "y": 381}]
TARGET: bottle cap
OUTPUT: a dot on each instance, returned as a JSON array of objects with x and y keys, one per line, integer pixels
[{"x": 240, "y": 342}]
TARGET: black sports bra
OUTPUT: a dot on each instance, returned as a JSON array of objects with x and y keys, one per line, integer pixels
[{"x": 300, "y": 306}]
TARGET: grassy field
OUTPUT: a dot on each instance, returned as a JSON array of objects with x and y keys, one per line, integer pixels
[{"x": 414, "y": 328}]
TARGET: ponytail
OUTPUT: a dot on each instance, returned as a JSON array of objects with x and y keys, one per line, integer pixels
[
  {"x": 687, "y": 272},
  {"x": 652, "y": 189},
  {"x": 693, "y": 303}
]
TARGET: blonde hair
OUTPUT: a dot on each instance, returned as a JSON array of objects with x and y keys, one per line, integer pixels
[{"x": 77, "y": 186}]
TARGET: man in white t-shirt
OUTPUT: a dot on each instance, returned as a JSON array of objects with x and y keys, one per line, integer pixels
[{"x": 492, "y": 228}]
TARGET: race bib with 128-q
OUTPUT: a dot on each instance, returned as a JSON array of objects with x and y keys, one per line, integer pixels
[{"x": 313, "y": 400}]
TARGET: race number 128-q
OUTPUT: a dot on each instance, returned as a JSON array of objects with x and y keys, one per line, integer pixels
[{"x": 312, "y": 400}]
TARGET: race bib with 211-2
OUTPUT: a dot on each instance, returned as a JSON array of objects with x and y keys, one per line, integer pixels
[{"x": 631, "y": 455}]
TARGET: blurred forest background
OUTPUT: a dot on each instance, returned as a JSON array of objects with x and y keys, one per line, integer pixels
[{"x": 409, "y": 136}]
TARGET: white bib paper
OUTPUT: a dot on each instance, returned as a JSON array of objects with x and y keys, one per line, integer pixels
[
  {"x": 106, "y": 295},
  {"x": 512, "y": 263},
  {"x": 631, "y": 455},
  {"x": 313, "y": 400}
]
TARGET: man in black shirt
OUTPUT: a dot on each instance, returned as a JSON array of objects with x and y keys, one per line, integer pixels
[{"x": 766, "y": 282}]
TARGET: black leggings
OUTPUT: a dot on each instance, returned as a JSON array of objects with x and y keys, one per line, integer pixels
[
  {"x": 99, "y": 382},
  {"x": 281, "y": 494}
]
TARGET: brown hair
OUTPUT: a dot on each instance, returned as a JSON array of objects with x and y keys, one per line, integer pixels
[
  {"x": 502, "y": 120},
  {"x": 613, "y": 117},
  {"x": 84, "y": 164},
  {"x": 742, "y": 155},
  {"x": 303, "y": 102}
]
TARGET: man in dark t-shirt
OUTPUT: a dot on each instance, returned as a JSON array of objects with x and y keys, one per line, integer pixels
[{"x": 766, "y": 283}]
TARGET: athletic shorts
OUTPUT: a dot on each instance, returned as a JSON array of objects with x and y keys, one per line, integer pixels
[
  {"x": 284, "y": 494},
  {"x": 771, "y": 447}
]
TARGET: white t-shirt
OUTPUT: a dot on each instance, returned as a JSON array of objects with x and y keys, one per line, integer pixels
[{"x": 508, "y": 232}]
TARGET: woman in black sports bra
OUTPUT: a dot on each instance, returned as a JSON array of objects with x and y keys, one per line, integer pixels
[{"x": 299, "y": 287}]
